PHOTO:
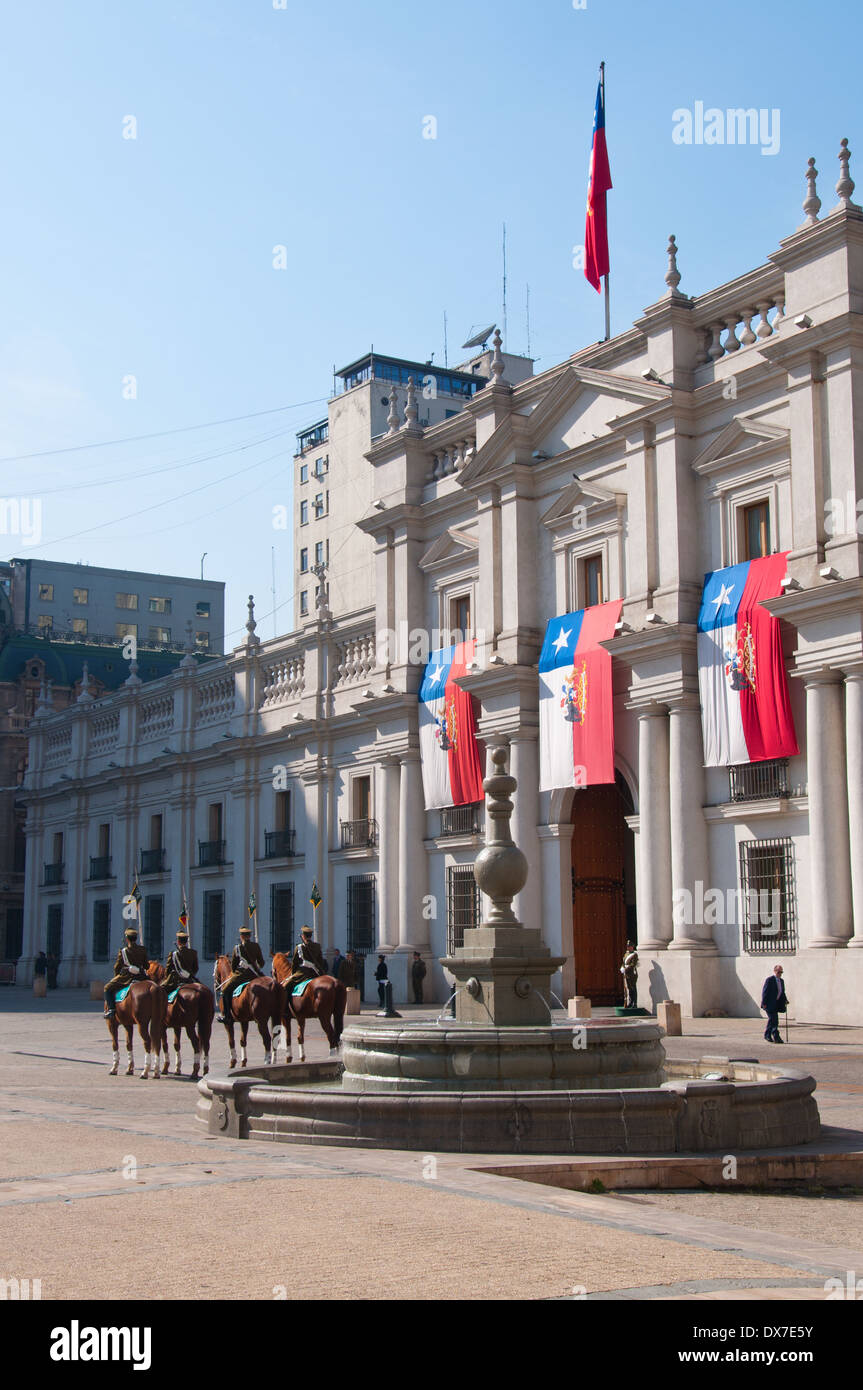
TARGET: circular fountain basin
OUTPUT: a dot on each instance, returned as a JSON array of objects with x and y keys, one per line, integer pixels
[
  {"x": 589, "y": 1055},
  {"x": 711, "y": 1105}
]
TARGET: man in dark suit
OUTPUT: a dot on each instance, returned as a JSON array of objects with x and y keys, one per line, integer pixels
[{"x": 774, "y": 1001}]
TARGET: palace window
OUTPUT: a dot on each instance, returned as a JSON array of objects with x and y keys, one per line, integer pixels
[
  {"x": 54, "y": 941},
  {"x": 768, "y": 910},
  {"x": 154, "y": 925},
  {"x": 592, "y": 588},
  {"x": 281, "y": 918},
  {"x": 462, "y": 904},
  {"x": 756, "y": 530},
  {"x": 214, "y": 924},
  {"x": 758, "y": 781},
  {"x": 361, "y": 922},
  {"x": 102, "y": 929},
  {"x": 459, "y": 618}
]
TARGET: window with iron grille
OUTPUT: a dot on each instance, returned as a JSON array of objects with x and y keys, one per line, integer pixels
[
  {"x": 758, "y": 781},
  {"x": 214, "y": 924},
  {"x": 768, "y": 896},
  {"x": 54, "y": 943},
  {"x": 154, "y": 925},
  {"x": 102, "y": 929},
  {"x": 460, "y": 820},
  {"x": 14, "y": 945},
  {"x": 281, "y": 918},
  {"x": 361, "y": 913},
  {"x": 462, "y": 903}
]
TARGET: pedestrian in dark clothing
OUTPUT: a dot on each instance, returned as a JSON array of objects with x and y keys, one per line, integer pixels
[
  {"x": 52, "y": 966},
  {"x": 348, "y": 970},
  {"x": 774, "y": 1001},
  {"x": 337, "y": 960},
  {"x": 40, "y": 964},
  {"x": 381, "y": 975},
  {"x": 418, "y": 974}
]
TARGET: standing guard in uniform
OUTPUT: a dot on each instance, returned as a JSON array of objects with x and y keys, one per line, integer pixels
[
  {"x": 247, "y": 963},
  {"x": 131, "y": 964},
  {"x": 307, "y": 961},
  {"x": 182, "y": 964}
]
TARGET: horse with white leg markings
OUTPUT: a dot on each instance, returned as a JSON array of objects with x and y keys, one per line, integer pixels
[
  {"x": 192, "y": 1009},
  {"x": 259, "y": 1001},
  {"x": 323, "y": 998},
  {"x": 144, "y": 1005}
]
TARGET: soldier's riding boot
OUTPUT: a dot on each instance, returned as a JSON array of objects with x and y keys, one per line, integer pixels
[{"x": 225, "y": 1005}]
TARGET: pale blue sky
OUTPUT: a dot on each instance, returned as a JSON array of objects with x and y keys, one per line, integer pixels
[{"x": 303, "y": 127}]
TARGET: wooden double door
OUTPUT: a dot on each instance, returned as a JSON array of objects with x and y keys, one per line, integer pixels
[{"x": 599, "y": 916}]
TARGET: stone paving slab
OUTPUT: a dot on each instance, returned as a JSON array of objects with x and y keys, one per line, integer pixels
[{"x": 363, "y": 1224}]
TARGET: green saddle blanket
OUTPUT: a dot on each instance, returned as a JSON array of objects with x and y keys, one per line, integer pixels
[{"x": 300, "y": 988}]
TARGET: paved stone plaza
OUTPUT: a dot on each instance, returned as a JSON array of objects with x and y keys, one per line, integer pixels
[{"x": 84, "y": 1155}]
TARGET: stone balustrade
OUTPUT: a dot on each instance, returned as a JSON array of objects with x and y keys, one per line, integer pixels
[
  {"x": 215, "y": 700},
  {"x": 739, "y": 315},
  {"x": 356, "y": 659},
  {"x": 283, "y": 681},
  {"x": 451, "y": 458},
  {"x": 155, "y": 718},
  {"x": 104, "y": 731}
]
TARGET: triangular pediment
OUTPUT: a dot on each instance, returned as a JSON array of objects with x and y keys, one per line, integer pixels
[
  {"x": 453, "y": 545},
  {"x": 594, "y": 501},
  {"x": 740, "y": 441}
]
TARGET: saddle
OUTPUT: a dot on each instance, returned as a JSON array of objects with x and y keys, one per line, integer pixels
[{"x": 300, "y": 989}]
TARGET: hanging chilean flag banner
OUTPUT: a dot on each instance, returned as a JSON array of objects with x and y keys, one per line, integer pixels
[
  {"x": 449, "y": 750},
  {"x": 576, "y": 714},
  {"x": 745, "y": 709},
  {"x": 599, "y": 182}
]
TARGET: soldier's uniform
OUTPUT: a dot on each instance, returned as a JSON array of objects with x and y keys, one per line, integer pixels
[
  {"x": 131, "y": 965},
  {"x": 182, "y": 964},
  {"x": 307, "y": 961},
  {"x": 247, "y": 963}
]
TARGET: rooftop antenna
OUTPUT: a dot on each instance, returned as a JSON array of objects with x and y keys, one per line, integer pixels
[
  {"x": 273, "y": 558},
  {"x": 504, "y": 283},
  {"x": 527, "y": 310},
  {"x": 445, "y": 352}
]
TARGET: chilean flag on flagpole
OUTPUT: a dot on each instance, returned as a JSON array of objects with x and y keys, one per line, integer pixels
[
  {"x": 599, "y": 182},
  {"x": 576, "y": 713},
  {"x": 449, "y": 750},
  {"x": 745, "y": 708}
]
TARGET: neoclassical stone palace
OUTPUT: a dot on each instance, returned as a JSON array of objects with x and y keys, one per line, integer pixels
[{"x": 717, "y": 428}]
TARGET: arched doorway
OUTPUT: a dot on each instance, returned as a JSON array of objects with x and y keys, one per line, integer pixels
[{"x": 603, "y": 889}]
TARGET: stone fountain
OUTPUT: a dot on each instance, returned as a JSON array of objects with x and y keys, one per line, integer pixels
[{"x": 502, "y": 1076}]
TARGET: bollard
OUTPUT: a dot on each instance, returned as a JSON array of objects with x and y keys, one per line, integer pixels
[
  {"x": 668, "y": 1016},
  {"x": 353, "y": 1004},
  {"x": 40, "y": 986},
  {"x": 97, "y": 989},
  {"x": 387, "y": 1011},
  {"x": 579, "y": 1007}
]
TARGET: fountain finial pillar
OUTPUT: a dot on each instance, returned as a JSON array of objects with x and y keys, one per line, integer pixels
[{"x": 504, "y": 969}]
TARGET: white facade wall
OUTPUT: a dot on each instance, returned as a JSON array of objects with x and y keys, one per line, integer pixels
[{"x": 644, "y": 451}]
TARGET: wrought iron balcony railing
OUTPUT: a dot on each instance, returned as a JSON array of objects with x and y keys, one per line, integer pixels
[
  {"x": 460, "y": 820},
  {"x": 53, "y": 875},
  {"x": 100, "y": 866},
  {"x": 152, "y": 861},
  {"x": 210, "y": 853},
  {"x": 359, "y": 834},
  {"x": 758, "y": 781},
  {"x": 278, "y": 844}
]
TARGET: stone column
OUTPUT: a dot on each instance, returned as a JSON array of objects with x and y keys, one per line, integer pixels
[
  {"x": 854, "y": 756},
  {"x": 690, "y": 862},
  {"x": 556, "y": 850},
  {"x": 653, "y": 886},
  {"x": 413, "y": 867},
  {"x": 524, "y": 767},
  {"x": 829, "y": 847},
  {"x": 388, "y": 818}
]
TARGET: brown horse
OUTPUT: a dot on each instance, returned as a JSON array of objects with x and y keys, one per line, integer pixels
[
  {"x": 261, "y": 1002},
  {"x": 144, "y": 1005},
  {"x": 324, "y": 998},
  {"x": 192, "y": 1009}
]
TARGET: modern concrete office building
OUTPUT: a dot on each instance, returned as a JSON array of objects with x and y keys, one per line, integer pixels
[
  {"x": 715, "y": 429},
  {"x": 86, "y": 601}
]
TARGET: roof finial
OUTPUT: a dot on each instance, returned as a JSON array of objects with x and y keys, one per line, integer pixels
[
  {"x": 85, "y": 697},
  {"x": 845, "y": 183},
  {"x": 133, "y": 678},
  {"x": 411, "y": 412},
  {"x": 497, "y": 360},
  {"x": 672, "y": 274},
  {"x": 43, "y": 708},
  {"x": 189, "y": 658},
  {"x": 251, "y": 640},
  {"x": 812, "y": 202},
  {"x": 393, "y": 417}
]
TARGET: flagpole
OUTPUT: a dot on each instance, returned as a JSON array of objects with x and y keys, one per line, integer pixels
[{"x": 607, "y": 295}]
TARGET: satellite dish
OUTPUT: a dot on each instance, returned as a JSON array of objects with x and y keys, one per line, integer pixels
[{"x": 480, "y": 339}]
